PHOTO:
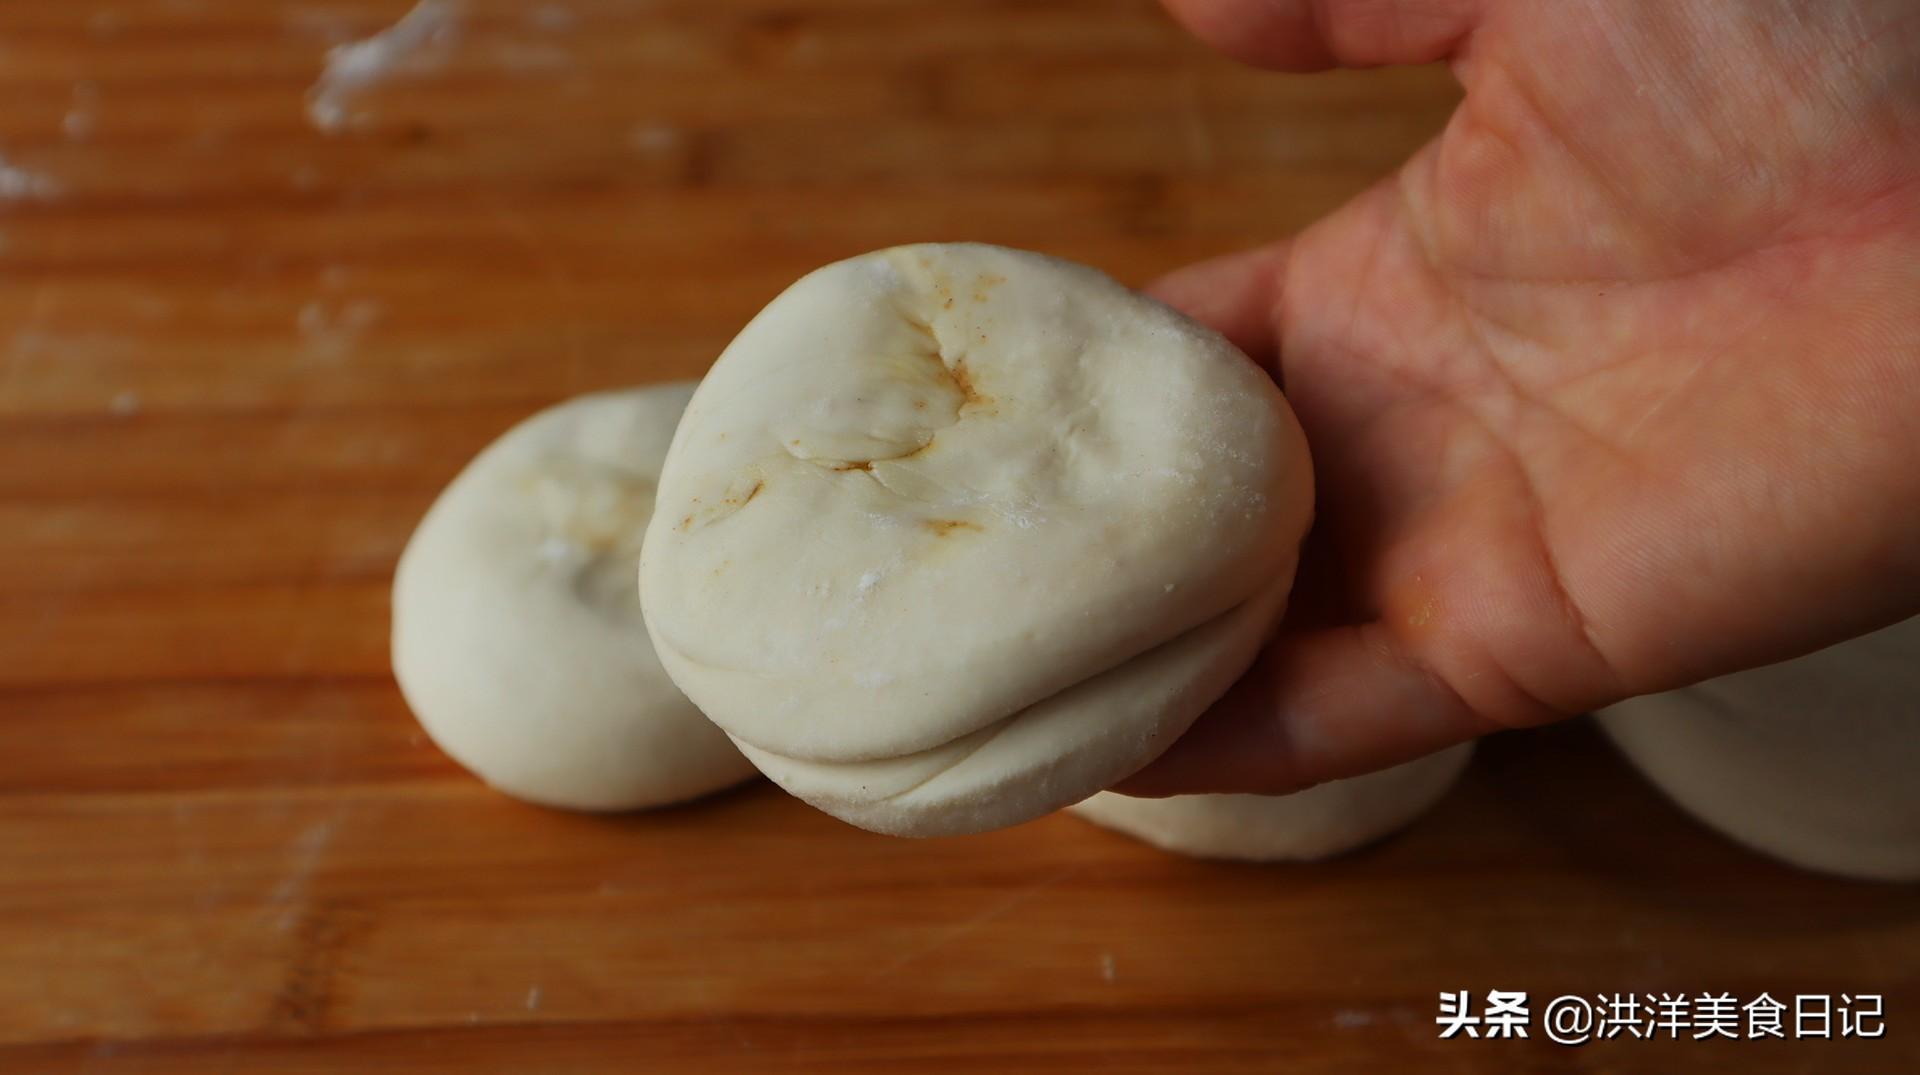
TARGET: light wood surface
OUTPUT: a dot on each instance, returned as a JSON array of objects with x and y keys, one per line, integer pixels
[{"x": 238, "y": 357}]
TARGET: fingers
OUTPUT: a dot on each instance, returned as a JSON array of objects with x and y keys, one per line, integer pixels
[
  {"x": 1317, "y": 706},
  {"x": 1311, "y": 35},
  {"x": 1238, "y": 295}
]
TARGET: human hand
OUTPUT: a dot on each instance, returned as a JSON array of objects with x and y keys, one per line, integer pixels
[{"x": 1613, "y": 387}]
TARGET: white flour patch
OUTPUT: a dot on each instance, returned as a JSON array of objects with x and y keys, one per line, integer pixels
[
  {"x": 307, "y": 850},
  {"x": 332, "y": 328},
  {"x": 125, "y": 404},
  {"x": 418, "y": 42},
  {"x": 82, "y": 116},
  {"x": 653, "y": 137},
  {"x": 19, "y": 184}
]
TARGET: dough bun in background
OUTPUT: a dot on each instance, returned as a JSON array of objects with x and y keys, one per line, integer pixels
[
  {"x": 1815, "y": 761},
  {"x": 517, "y": 635},
  {"x": 1322, "y": 821},
  {"x": 952, "y": 536}
]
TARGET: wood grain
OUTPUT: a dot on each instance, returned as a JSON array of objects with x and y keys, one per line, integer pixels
[{"x": 238, "y": 357}]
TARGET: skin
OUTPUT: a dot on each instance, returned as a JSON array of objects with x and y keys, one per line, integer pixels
[{"x": 1613, "y": 387}]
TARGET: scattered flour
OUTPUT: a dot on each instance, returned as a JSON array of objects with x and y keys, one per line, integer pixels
[
  {"x": 417, "y": 41},
  {"x": 653, "y": 137},
  {"x": 331, "y": 328},
  {"x": 83, "y": 113},
  {"x": 19, "y": 184}
]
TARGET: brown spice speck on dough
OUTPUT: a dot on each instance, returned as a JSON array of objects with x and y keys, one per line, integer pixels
[
  {"x": 963, "y": 378},
  {"x": 741, "y": 501},
  {"x": 943, "y": 527},
  {"x": 857, "y": 464}
]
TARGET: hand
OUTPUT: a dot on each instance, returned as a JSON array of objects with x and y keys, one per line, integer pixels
[{"x": 1615, "y": 386}]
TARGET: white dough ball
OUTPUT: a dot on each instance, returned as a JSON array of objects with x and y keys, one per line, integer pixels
[
  {"x": 1317, "y": 823},
  {"x": 952, "y": 536},
  {"x": 517, "y": 635},
  {"x": 1815, "y": 761}
]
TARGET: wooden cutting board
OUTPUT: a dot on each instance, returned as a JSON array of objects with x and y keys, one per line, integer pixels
[{"x": 247, "y": 330}]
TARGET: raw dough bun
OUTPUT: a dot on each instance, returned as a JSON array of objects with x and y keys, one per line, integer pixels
[
  {"x": 1319, "y": 822},
  {"x": 953, "y": 535},
  {"x": 517, "y": 636},
  {"x": 1815, "y": 760}
]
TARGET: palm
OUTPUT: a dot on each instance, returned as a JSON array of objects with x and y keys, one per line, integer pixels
[{"x": 1607, "y": 392}]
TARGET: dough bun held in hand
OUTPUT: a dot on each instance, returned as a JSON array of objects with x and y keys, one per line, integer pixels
[
  {"x": 517, "y": 636},
  {"x": 1317, "y": 823},
  {"x": 952, "y": 536},
  {"x": 1815, "y": 761}
]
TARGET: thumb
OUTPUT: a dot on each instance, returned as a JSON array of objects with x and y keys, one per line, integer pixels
[{"x": 1319, "y": 705}]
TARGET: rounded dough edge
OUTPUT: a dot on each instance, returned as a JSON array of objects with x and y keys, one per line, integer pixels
[
  {"x": 1320, "y": 822},
  {"x": 520, "y": 650},
  {"x": 1811, "y": 761}
]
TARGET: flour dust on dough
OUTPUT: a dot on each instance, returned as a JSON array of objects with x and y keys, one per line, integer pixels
[
  {"x": 952, "y": 536},
  {"x": 517, "y": 634}
]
